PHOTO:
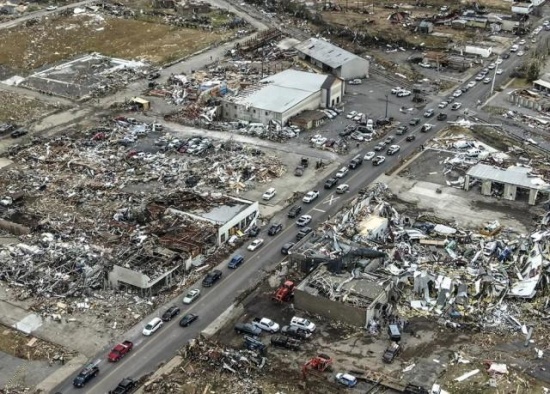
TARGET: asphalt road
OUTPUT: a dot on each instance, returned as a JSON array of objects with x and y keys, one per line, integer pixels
[{"x": 39, "y": 14}]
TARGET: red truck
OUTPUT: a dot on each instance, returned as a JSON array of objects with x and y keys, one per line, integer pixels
[{"x": 120, "y": 351}]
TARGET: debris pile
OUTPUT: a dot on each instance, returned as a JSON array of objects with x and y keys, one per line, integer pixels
[
  {"x": 237, "y": 371},
  {"x": 88, "y": 209},
  {"x": 490, "y": 278}
]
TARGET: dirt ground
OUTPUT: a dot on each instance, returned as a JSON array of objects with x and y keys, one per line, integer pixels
[
  {"x": 19, "y": 109},
  {"x": 56, "y": 38},
  {"x": 27, "y": 347}
]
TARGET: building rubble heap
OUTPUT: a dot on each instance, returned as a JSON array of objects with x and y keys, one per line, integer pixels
[
  {"x": 80, "y": 206},
  {"x": 490, "y": 278}
]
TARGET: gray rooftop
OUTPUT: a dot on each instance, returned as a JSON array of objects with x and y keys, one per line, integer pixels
[
  {"x": 281, "y": 91},
  {"x": 518, "y": 176},
  {"x": 223, "y": 213},
  {"x": 325, "y": 52}
]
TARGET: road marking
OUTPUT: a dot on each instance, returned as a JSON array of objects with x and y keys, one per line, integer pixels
[
  {"x": 317, "y": 209},
  {"x": 331, "y": 200}
]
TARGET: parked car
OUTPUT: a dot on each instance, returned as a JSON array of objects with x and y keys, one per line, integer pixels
[
  {"x": 403, "y": 93},
  {"x": 253, "y": 231},
  {"x": 303, "y": 232},
  {"x": 410, "y": 138},
  {"x": 380, "y": 146},
  {"x": 396, "y": 90},
  {"x": 191, "y": 296},
  {"x": 170, "y": 313},
  {"x": 442, "y": 116},
  {"x": 275, "y": 229},
  {"x": 235, "y": 261},
  {"x": 457, "y": 93},
  {"x": 378, "y": 160},
  {"x": 414, "y": 121},
  {"x": 391, "y": 352},
  {"x": 286, "y": 248},
  {"x": 304, "y": 220},
  {"x": 269, "y": 194},
  {"x": 247, "y": 328},
  {"x": 330, "y": 182},
  {"x": 295, "y": 332},
  {"x": 126, "y": 386},
  {"x": 342, "y": 188},
  {"x": 285, "y": 342},
  {"x": 456, "y": 106},
  {"x": 51, "y": 8},
  {"x": 355, "y": 162},
  {"x": 491, "y": 66},
  {"x": 346, "y": 379},
  {"x": 351, "y": 115},
  {"x": 443, "y": 104},
  {"x": 487, "y": 80},
  {"x": 211, "y": 278},
  {"x": 151, "y": 327},
  {"x": 426, "y": 127},
  {"x": 266, "y": 324},
  {"x": 187, "y": 319},
  {"x": 471, "y": 84},
  {"x": 303, "y": 324},
  {"x": 294, "y": 211},
  {"x": 369, "y": 156},
  {"x": 429, "y": 113},
  {"x": 255, "y": 244},
  {"x": 18, "y": 133}
]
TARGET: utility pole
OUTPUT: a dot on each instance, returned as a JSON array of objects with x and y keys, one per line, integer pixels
[{"x": 386, "y": 106}]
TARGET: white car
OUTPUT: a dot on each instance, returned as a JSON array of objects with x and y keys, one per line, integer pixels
[
  {"x": 487, "y": 80},
  {"x": 425, "y": 65},
  {"x": 457, "y": 93},
  {"x": 152, "y": 326},
  {"x": 191, "y": 296},
  {"x": 498, "y": 61},
  {"x": 369, "y": 156},
  {"x": 403, "y": 93},
  {"x": 51, "y": 8},
  {"x": 521, "y": 42},
  {"x": 358, "y": 117},
  {"x": 304, "y": 220},
  {"x": 500, "y": 71},
  {"x": 456, "y": 106},
  {"x": 357, "y": 136},
  {"x": 491, "y": 66},
  {"x": 269, "y": 194},
  {"x": 302, "y": 323},
  {"x": 328, "y": 114},
  {"x": 255, "y": 244},
  {"x": 443, "y": 104},
  {"x": 310, "y": 196},
  {"x": 341, "y": 189},
  {"x": 351, "y": 114},
  {"x": 521, "y": 53},
  {"x": 396, "y": 90},
  {"x": 471, "y": 84}
]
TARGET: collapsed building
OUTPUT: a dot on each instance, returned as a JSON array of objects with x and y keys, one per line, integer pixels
[{"x": 416, "y": 267}]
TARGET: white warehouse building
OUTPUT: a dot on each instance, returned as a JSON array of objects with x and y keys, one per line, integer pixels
[
  {"x": 282, "y": 96},
  {"x": 332, "y": 59}
]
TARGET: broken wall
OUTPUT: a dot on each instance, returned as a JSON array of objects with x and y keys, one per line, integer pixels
[{"x": 329, "y": 309}]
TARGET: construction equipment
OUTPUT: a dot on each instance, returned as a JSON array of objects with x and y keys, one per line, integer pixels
[
  {"x": 285, "y": 292},
  {"x": 320, "y": 363}
]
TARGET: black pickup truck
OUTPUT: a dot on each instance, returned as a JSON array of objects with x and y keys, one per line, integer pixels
[
  {"x": 126, "y": 386},
  {"x": 286, "y": 342}
]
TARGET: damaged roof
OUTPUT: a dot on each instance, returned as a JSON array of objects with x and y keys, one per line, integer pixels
[
  {"x": 519, "y": 176},
  {"x": 325, "y": 52}
]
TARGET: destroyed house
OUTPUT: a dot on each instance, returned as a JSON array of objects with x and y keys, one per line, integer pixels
[
  {"x": 332, "y": 59},
  {"x": 348, "y": 297},
  {"x": 231, "y": 217},
  {"x": 282, "y": 96}
]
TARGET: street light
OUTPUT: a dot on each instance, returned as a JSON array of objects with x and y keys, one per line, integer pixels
[{"x": 386, "y": 106}]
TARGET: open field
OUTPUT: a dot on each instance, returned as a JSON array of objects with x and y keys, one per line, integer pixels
[
  {"x": 29, "y": 47},
  {"x": 21, "y": 109}
]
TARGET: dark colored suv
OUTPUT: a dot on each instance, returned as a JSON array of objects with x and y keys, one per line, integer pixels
[
  {"x": 286, "y": 248},
  {"x": 275, "y": 229},
  {"x": 330, "y": 182},
  {"x": 247, "y": 328},
  {"x": 211, "y": 278},
  {"x": 89, "y": 372},
  {"x": 294, "y": 211},
  {"x": 441, "y": 116}
]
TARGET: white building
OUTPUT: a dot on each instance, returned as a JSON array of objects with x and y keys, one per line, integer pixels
[
  {"x": 332, "y": 59},
  {"x": 231, "y": 218},
  {"x": 477, "y": 50},
  {"x": 283, "y": 95}
]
